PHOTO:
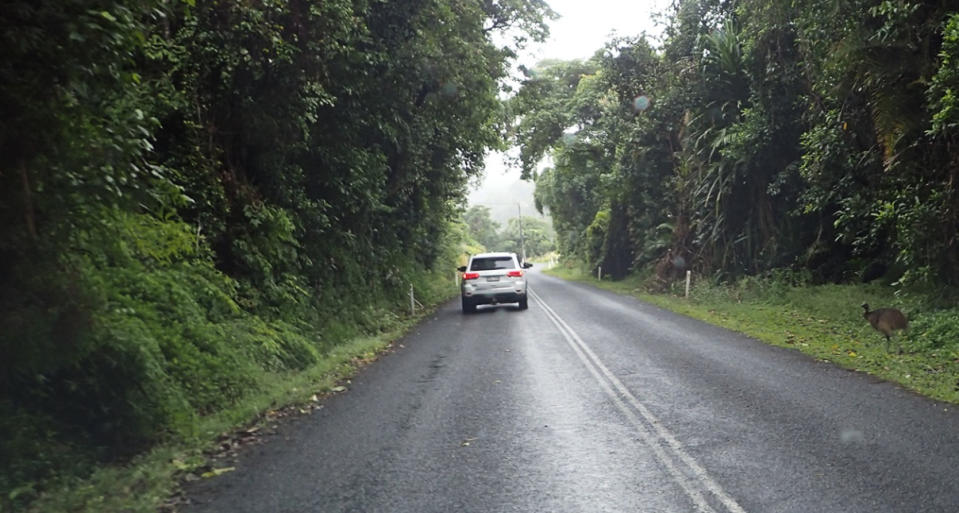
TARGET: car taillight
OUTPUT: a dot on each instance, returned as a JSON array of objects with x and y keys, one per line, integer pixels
[
  {"x": 515, "y": 274},
  {"x": 470, "y": 276}
]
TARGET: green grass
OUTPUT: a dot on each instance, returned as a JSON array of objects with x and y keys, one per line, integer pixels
[
  {"x": 822, "y": 321},
  {"x": 150, "y": 353},
  {"x": 150, "y": 479}
]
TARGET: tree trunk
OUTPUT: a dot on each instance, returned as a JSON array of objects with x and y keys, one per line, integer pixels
[{"x": 28, "y": 212}]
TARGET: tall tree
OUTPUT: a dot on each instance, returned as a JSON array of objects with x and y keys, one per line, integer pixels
[{"x": 482, "y": 227}]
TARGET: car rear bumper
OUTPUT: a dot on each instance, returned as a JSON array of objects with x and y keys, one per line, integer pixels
[
  {"x": 492, "y": 298},
  {"x": 494, "y": 289}
]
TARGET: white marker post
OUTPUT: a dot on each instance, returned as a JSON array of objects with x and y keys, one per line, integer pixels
[
  {"x": 412, "y": 301},
  {"x": 688, "y": 276},
  {"x": 599, "y": 273}
]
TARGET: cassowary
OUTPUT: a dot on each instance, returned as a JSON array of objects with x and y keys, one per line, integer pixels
[{"x": 886, "y": 321}]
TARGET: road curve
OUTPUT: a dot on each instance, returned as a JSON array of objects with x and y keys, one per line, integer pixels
[{"x": 594, "y": 402}]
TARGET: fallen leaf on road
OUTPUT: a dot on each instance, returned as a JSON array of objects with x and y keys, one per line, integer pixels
[
  {"x": 340, "y": 388},
  {"x": 216, "y": 472}
]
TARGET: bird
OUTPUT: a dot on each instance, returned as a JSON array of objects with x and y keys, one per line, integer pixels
[{"x": 886, "y": 321}]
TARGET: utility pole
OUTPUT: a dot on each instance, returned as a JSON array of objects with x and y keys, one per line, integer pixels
[{"x": 522, "y": 241}]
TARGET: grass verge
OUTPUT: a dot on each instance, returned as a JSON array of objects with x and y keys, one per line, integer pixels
[
  {"x": 823, "y": 321},
  {"x": 147, "y": 483}
]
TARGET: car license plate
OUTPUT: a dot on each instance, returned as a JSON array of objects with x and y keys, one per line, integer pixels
[{"x": 493, "y": 278}]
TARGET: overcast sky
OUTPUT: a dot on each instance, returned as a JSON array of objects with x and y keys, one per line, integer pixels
[
  {"x": 585, "y": 25},
  {"x": 583, "y": 28}
]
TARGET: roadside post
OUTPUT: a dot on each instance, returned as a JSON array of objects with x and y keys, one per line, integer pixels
[{"x": 413, "y": 302}]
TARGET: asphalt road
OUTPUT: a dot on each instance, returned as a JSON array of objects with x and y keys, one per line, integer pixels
[{"x": 594, "y": 402}]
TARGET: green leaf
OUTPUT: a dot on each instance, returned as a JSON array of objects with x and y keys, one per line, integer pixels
[{"x": 217, "y": 472}]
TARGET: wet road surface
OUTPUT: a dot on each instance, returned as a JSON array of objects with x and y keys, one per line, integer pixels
[{"x": 594, "y": 402}]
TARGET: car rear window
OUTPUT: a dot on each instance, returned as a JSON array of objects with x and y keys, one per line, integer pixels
[{"x": 492, "y": 263}]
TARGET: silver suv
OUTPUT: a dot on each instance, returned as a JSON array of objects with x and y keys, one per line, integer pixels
[{"x": 493, "y": 278}]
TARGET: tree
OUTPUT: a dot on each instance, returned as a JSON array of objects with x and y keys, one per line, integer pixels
[
  {"x": 482, "y": 228},
  {"x": 537, "y": 237}
]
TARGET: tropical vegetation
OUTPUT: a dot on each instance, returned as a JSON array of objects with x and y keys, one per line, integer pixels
[
  {"x": 197, "y": 198},
  {"x": 814, "y": 135}
]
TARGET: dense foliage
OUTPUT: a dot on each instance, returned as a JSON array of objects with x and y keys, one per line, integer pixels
[
  {"x": 194, "y": 194},
  {"x": 814, "y": 134}
]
